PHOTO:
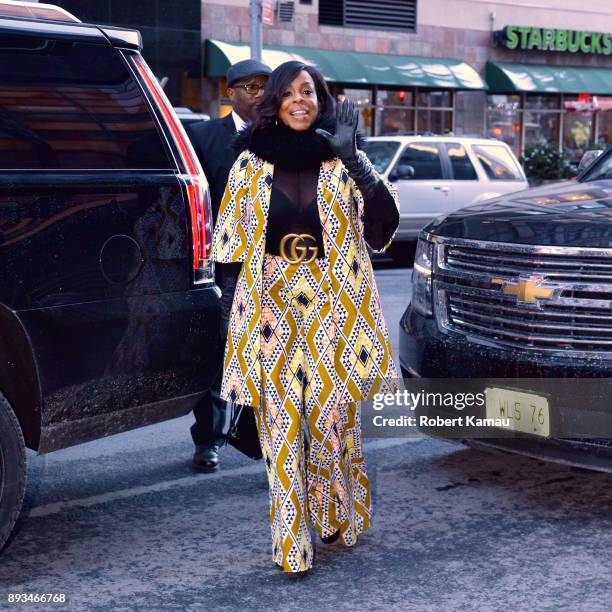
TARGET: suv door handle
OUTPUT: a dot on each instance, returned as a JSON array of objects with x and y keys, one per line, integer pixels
[{"x": 443, "y": 189}]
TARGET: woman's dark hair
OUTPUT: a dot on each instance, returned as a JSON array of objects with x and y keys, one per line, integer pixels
[{"x": 276, "y": 86}]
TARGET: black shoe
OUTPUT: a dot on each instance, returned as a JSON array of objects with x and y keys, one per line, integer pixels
[
  {"x": 330, "y": 539},
  {"x": 206, "y": 458}
]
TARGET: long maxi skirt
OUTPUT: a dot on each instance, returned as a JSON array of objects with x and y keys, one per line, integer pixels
[{"x": 329, "y": 487}]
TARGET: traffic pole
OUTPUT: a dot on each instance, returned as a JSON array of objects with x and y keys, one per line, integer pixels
[{"x": 256, "y": 29}]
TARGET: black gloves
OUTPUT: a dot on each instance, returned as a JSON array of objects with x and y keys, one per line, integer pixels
[
  {"x": 380, "y": 212},
  {"x": 364, "y": 177},
  {"x": 344, "y": 142}
]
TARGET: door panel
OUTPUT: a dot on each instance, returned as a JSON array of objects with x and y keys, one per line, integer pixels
[
  {"x": 428, "y": 192},
  {"x": 108, "y": 332}
]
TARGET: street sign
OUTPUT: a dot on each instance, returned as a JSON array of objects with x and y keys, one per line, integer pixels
[{"x": 268, "y": 12}]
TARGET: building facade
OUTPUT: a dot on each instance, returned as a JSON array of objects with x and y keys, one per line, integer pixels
[
  {"x": 524, "y": 71},
  {"x": 171, "y": 36}
]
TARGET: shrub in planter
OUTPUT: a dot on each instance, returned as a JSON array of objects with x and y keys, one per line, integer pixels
[{"x": 543, "y": 162}]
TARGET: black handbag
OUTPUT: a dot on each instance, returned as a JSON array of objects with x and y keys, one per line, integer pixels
[{"x": 242, "y": 432}]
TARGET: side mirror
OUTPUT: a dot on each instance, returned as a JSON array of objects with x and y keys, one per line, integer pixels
[
  {"x": 587, "y": 159},
  {"x": 402, "y": 172}
]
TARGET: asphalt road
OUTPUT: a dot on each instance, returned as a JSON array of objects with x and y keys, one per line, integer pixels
[{"x": 124, "y": 524}]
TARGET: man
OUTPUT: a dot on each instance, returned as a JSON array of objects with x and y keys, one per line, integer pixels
[{"x": 212, "y": 143}]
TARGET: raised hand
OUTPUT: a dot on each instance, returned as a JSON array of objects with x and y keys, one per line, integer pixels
[{"x": 344, "y": 142}]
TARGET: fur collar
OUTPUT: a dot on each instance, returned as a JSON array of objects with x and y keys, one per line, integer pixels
[{"x": 287, "y": 148}]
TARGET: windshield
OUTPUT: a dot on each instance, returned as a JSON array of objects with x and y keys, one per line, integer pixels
[
  {"x": 380, "y": 153},
  {"x": 602, "y": 170}
]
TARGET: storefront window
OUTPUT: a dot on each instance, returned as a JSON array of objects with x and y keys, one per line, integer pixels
[
  {"x": 390, "y": 97},
  {"x": 541, "y": 128},
  {"x": 604, "y": 136},
  {"x": 396, "y": 111},
  {"x": 503, "y": 120},
  {"x": 470, "y": 107},
  {"x": 363, "y": 101},
  {"x": 574, "y": 122},
  {"x": 434, "y": 99},
  {"x": 577, "y": 125},
  {"x": 576, "y": 134},
  {"x": 542, "y": 102},
  {"x": 603, "y": 106},
  {"x": 394, "y": 120},
  {"x": 435, "y": 121}
]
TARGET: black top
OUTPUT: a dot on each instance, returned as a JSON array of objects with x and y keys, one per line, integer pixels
[
  {"x": 294, "y": 210},
  {"x": 296, "y": 151}
]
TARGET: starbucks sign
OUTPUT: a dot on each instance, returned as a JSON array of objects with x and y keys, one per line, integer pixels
[{"x": 550, "y": 39}]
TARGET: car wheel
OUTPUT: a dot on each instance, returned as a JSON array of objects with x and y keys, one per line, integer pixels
[
  {"x": 12, "y": 469},
  {"x": 402, "y": 253}
]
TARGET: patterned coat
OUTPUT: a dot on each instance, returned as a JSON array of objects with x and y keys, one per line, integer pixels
[{"x": 361, "y": 361}]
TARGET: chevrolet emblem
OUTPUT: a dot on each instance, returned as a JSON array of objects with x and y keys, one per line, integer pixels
[{"x": 526, "y": 290}]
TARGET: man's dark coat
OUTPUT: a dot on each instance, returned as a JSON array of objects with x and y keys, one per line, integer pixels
[{"x": 212, "y": 141}]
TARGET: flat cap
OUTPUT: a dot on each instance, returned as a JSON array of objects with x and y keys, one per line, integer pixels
[{"x": 246, "y": 69}]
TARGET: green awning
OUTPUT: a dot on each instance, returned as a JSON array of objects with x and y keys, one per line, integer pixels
[
  {"x": 351, "y": 67},
  {"x": 505, "y": 78}
]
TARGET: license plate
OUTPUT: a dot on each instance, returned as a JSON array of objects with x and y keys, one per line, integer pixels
[{"x": 524, "y": 412}]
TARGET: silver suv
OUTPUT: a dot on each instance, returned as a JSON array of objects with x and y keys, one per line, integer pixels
[{"x": 439, "y": 174}]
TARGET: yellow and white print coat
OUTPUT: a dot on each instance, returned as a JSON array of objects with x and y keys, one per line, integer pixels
[{"x": 358, "y": 361}]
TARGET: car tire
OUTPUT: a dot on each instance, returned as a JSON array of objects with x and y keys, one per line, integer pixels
[
  {"x": 12, "y": 469},
  {"x": 402, "y": 253}
]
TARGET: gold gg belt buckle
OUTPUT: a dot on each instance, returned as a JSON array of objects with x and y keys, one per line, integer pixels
[{"x": 294, "y": 251}]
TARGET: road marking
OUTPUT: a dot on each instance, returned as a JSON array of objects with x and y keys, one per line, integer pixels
[{"x": 187, "y": 481}]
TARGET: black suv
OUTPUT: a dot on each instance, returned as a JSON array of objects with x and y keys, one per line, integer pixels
[
  {"x": 108, "y": 307},
  {"x": 521, "y": 287}
]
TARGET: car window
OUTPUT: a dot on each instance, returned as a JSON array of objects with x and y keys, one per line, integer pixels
[
  {"x": 68, "y": 106},
  {"x": 380, "y": 153},
  {"x": 424, "y": 158},
  {"x": 603, "y": 170},
  {"x": 498, "y": 163},
  {"x": 463, "y": 169}
]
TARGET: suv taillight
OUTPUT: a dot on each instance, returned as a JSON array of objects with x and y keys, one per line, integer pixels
[{"x": 197, "y": 186}]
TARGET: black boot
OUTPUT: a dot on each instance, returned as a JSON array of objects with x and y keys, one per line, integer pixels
[{"x": 206, "y": 458}]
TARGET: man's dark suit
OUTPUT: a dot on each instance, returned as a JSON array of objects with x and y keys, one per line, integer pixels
[{"x": 212, "y": 142}]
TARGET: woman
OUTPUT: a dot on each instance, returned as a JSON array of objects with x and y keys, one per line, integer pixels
[{"x": 307, "y": 337}]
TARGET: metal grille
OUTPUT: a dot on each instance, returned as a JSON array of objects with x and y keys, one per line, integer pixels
[
  {"x": 331, "y": 12},
  {"x": 285, "y": 11},
  {"x": 561, "y": 265},
  {"x": 478, "y": 293},
  {"x": 371, "y": 14}
]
